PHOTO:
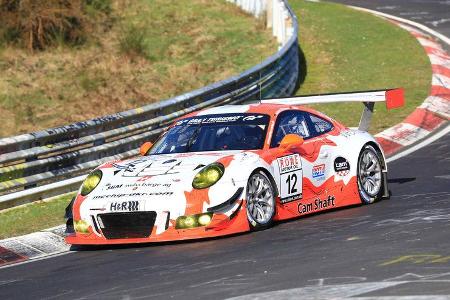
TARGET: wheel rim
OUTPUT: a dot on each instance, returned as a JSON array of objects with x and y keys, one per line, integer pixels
[
  {"x": 260, "y": 204},
  {"x": 370, "y": 173}
]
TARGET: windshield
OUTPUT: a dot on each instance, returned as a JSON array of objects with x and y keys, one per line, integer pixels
[{"x": 213, "y": 133}]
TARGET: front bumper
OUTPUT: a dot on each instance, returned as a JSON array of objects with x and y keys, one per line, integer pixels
[{"x": 221, "y": 225}]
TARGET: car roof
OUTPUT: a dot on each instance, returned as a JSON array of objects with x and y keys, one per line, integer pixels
[{"x": 261, "y": 108}]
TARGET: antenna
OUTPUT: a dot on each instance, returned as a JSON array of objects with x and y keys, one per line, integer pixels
[{"x": 260, "y": 92}]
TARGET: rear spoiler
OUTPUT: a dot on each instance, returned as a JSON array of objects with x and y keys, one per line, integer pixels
[{"x": 394, "y": 98}]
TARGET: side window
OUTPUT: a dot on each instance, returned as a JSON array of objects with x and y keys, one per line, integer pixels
[
  {"x": 320, "y": 126},
  {"x": 291, "y": 121}
]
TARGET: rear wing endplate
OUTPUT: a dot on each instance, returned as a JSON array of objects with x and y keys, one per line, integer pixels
[{"x": 393, "y": 98}]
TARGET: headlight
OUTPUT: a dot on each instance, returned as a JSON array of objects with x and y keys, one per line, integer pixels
[
  {"x": 91, "y": 182},
  {"x": 192, "y": 221},
  {"x": 208, "y": 176},
  {"x": 81, "y": 226}
]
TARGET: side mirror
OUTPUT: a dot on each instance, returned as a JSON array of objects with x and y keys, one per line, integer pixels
[
  {"x": 291, "y": 140},
  {"x": 145, "y": 147}
]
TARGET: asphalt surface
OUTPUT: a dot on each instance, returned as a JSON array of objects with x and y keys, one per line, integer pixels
[
  {"x": 394, "y": 248},
  {"x": 432, "y": 13}
]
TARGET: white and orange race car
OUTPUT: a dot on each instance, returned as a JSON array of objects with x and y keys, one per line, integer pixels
[{"x": 231, "y": 169}]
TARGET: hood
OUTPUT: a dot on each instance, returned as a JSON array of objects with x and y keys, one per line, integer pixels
[
  {"x": 154, "y": 177},
  {"x": 164, "y": 166},
  {"x": 163, "y": 183}
]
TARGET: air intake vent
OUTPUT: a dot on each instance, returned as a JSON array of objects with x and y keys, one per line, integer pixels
[{"x": 127, "y": 224}]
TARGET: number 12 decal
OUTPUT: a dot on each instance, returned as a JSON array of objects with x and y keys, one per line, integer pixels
[
  {"x": 290, "y": 168},
  {"x": 291, "y": 187}
]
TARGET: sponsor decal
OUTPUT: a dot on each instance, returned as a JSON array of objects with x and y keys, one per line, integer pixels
[
  {"x": 124, "y": 206},
  {"x": 251, "y": 118},
  {"x": 289, "y": 163},
  {"x": 291, "y": 178},
  {"x": 135, "y": 194},
  {"x": 341, "y": 166},
  {"x": 129, "y": 165},
  {"x": 212, "y": 120},
  {"x": 110, "y": 186},
  {"x": 317, "y": 205},
  {"x": 146, "y": 171},
  {"x": 225, "y": 118},
  {"x": 348, "y": 133},
  {"x": 318, "y": 172},
  {"x": 291, "y": 198},
  {"x": 113, "y": 186}
]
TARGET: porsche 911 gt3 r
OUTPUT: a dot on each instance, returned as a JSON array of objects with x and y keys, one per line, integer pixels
[{"x": 232, "y": 169}]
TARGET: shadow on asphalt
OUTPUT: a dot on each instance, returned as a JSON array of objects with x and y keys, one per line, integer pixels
[
  {"x": 401, "y": 180},
  {"x": 150, "y": 244}
]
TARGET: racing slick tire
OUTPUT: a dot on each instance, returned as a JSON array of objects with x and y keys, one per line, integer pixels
[
  {"x": 369, "y": 175},
  {"x": 260, "y": 201}
]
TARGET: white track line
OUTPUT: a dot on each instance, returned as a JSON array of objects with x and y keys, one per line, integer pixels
[
  {"x": 412, "y": 23},
  {"x": 422, "y": 144}
]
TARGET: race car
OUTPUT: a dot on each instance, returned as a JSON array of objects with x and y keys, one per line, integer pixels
[{"x": 231, "y": 169}]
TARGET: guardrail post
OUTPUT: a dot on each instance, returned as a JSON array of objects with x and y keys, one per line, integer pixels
[{"x": 269, "y": 19}]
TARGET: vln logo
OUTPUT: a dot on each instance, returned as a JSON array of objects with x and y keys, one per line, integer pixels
[{"x": 318, "y": 171}]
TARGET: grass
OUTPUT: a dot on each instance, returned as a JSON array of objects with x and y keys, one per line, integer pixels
[
  {"x": 150, "y": 50},
  {"x": 133, "y": 42},
  {"x": 347, "y": 50},
  {"x": 33, "y": 217}
]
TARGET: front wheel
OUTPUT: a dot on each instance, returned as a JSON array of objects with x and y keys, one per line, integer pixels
[
  {"x": 260, "y": 198},
  {"x": 370, "y": 176}
]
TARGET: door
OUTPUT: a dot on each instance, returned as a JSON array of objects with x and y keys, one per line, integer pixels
[{"x": 305, "y": 182}]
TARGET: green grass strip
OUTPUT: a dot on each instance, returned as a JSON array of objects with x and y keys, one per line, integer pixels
[{"x": 33, "y": 217}]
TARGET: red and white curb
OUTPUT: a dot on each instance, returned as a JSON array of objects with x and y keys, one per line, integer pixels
[
  {"x": 431, "y": 115},
  {"x": 33, "y": 246},
  {"x": 434, "y": 112}
]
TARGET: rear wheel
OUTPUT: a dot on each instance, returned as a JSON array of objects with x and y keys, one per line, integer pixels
[
  {"x": 370, "y": 175},
  {"x": 260, "y": 198}
]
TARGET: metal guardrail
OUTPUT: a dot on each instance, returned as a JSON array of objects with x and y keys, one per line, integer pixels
[{"x": 54, "y": 161}]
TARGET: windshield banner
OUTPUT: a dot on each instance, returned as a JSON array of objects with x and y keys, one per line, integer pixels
[{"x": 247, "y": 119}]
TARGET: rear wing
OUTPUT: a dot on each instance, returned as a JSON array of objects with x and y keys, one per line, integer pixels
[{"x": 393, "y": 98}]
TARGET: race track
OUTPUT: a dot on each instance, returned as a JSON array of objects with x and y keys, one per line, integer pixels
[{"x": 394, "y": 248}]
